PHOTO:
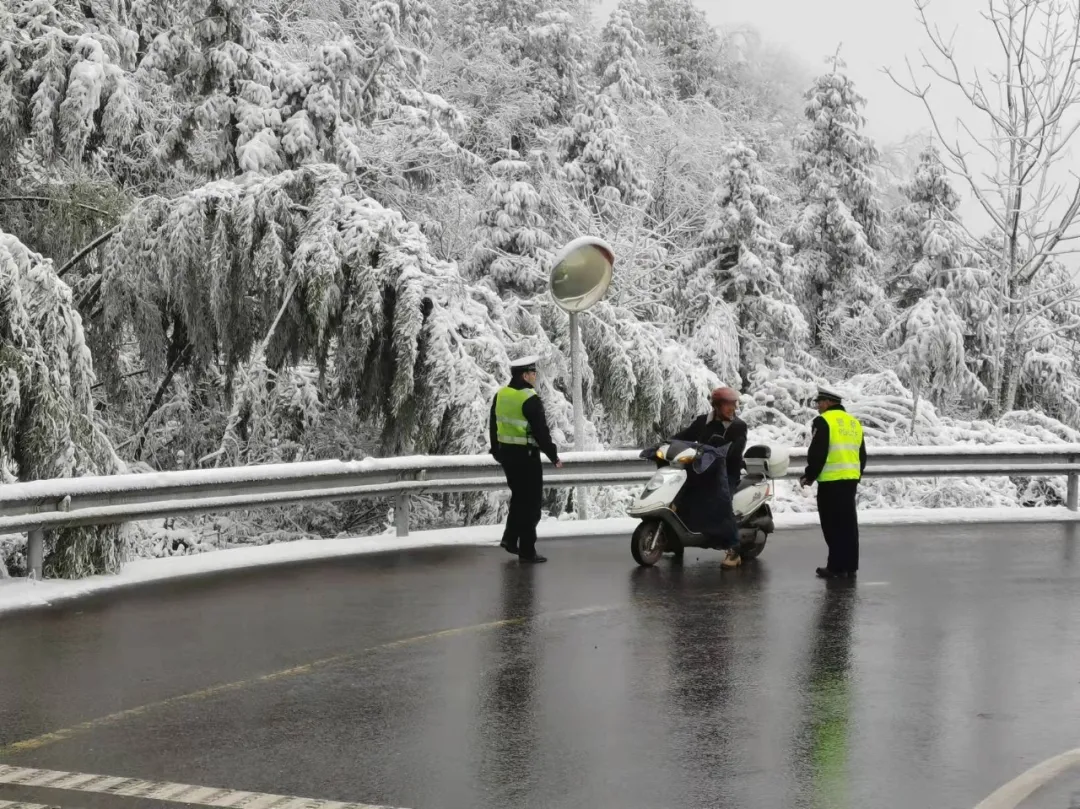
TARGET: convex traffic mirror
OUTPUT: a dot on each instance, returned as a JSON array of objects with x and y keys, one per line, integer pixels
[{"x": 581, "y": 273}]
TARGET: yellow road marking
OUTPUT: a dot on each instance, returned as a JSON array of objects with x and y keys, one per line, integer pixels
[{"x": 64, "y": 734}]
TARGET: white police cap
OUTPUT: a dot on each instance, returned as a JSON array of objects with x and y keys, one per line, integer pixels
[{"x": 527, "y": 363}]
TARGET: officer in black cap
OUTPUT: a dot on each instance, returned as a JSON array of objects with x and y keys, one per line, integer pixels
[{"x": 519, "y": 433}]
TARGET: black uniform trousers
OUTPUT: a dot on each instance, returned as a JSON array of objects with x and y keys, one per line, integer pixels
[
  {"x": 839, "y": 523},
  {"x": 525, "y": 477}
]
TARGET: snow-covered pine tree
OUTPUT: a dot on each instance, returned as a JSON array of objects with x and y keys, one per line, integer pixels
[
  {"x": 555, "y": 45},
  {"x": 544, "y": 38},
  {"x": 511, "y": 240},
  {"x": 1050, "y": 377},
  {"x": 931, "y": 264},
  {"x": 595, "y": 158},
  {"x": 741, "y": 261},
  {"x": 686, "y": 41},
  {"x": 66, "y": 88},
  {"x": 927, "y": 239},
  {"x": 418, "y": 23},
  {"x": 930, "y": 357},
  {"x": 48, "y": 424},
  {"x": 617, "y": 65},
  {"x": 838, "y": 222}
]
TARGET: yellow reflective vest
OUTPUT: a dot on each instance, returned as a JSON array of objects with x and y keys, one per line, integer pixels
[
  {"x": 511, "y": 426},
  {"x": 845, "y": 439}
]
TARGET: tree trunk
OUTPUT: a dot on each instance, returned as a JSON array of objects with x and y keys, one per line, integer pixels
[
  {"x": 1012, "y": 378},
  {"x": 1012, "y": 360},
  {"x": 177, "y": 354},
  {"x": 914, "y": 409},
  {"x": 991, "y": 409},
  {"x": 996, "y": 388}
]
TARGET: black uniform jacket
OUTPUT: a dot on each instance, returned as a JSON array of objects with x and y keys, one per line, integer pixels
[
  {"x": 538, "y": 426},
  {"x": 704, "y": 431},
  {"x": 819, "y": 448}
]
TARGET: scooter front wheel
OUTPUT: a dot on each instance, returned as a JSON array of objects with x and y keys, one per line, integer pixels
[{"x": 647, "y": 543}]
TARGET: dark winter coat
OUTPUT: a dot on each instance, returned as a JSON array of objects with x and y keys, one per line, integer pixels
[
  {"x": 704, "y": 504},
  {"x": 704, "y": 430}
]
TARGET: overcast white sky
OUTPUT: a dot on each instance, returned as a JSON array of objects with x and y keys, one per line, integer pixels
[
  {"x": 877, "y": 34},
  {"x": 874, "y": 34}
]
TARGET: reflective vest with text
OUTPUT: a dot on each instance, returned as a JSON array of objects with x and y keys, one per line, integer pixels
[{"x": 845, "y": 438}]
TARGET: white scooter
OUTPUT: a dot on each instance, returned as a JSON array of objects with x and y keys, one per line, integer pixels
[{"x": 663, "y": 531}]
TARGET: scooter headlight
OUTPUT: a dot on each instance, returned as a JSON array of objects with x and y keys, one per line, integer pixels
[{"x": 658, "y": 480}]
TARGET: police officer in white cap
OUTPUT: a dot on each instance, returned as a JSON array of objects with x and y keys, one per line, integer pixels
[
  {"x": 519, "y": 433},
  {"x": 836, "y": 459}
]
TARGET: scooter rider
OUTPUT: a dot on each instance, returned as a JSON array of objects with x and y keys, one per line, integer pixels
[{"x": 717, "y": 428}]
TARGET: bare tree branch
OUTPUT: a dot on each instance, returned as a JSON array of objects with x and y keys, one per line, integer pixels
[
  {"x": 55, "y": 201},
  {"x": 100, "y": 240},
  {"x": 1029, "y": 103},
  {"x": 1034, "y": 338}
]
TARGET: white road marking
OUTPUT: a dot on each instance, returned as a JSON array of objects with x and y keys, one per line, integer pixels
[
  {"x": 158, "y": 791},
  {"x": 1012, "y": 794}
]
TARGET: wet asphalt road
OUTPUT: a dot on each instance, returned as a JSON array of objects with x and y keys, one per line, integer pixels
[{"x": 950, "y": 667}]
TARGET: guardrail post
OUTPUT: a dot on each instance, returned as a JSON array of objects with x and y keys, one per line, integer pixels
[
  {"x": 402, "y": 503},
  {"x": 35, "y": 552},
  {"x": 1073, "y": 494}
]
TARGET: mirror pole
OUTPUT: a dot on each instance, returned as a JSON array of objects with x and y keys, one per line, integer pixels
[{"x": 579, "y": 407}]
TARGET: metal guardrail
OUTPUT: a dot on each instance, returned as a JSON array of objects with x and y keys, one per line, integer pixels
[{"x": 36, "y": 506}]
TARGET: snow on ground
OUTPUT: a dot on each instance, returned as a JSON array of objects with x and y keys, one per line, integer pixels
[{"x": 21, "y": 593}]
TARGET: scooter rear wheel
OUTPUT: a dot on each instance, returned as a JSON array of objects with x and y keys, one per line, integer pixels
[
  {"x": 752, "y": 550},
  {"x": 647, "y": 543}
]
